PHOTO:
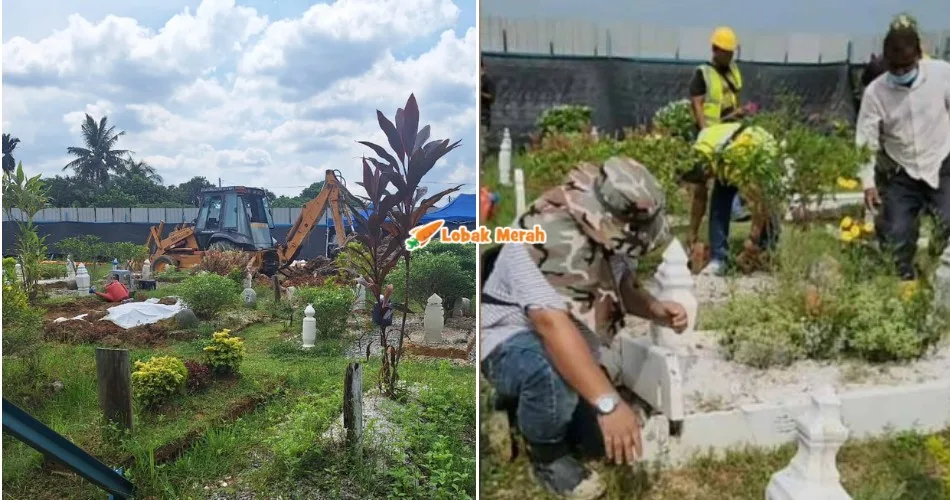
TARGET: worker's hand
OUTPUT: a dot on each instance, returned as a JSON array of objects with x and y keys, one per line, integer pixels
[
  {"x": 670, "y": 314},
  {"x": 621, "y": 430},
  {"x": 872, "y": 199}
]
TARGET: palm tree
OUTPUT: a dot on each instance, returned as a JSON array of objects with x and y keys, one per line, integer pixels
[
  {"x": 97, "y": 160},
  {"x": 9, "y": 144},
  {"x": 133, "y": 167}
]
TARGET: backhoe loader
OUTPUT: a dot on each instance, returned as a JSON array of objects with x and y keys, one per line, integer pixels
[{"x": 238, "y": 218}]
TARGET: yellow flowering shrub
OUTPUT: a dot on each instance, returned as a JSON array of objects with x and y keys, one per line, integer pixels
[
  {"x": 156, "y": 380},
  {"x": 852, "y": 230},
  {"x": 224, "y": 353},
  {"x": 939, "y": 450}
]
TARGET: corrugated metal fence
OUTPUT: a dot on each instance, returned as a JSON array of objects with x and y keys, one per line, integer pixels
[
  {"x": 282, "y": 216},
  {"x": 625, "y": 39}
]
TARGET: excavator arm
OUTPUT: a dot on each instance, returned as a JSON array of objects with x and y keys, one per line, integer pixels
[{"x": 333, "y": 197}]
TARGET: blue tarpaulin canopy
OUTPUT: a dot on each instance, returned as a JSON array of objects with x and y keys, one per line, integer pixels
[{"x": 460, "y": 212}]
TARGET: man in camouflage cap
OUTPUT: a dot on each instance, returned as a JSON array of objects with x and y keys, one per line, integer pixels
[{"x": 548, "y": 309}]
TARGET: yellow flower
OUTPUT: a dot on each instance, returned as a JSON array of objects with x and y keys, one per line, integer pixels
[
  {"x": 847, "y": 222},
  {"x": 856, "y": 231},
  {"x": 847, "y": 236},
  {"x": 844, "y": 183},
  {"x": 908, "y": 289},
  {"x": 868, "y": 227}
]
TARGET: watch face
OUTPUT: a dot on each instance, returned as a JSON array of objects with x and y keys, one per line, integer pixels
[{"x": 606, "y": 404}]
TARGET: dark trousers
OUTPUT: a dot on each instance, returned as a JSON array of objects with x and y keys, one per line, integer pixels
[
  {"x": 720, "y": 217},
  {"x": 903, "y": 199},
  {"x": 551, "y": 416}
]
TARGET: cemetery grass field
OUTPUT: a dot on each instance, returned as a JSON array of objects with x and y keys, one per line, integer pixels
[{"x": 258, "y": 433}]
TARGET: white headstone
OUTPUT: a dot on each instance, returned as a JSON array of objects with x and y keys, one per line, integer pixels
[
  {"x": 83, "y": 281},
  {"x": 467, "y": 307},
  {"x": 520, "y": 203},
  {"x": 248, "y": 281},
  {"x": 813, "y": 471},
  {"x": 942, "y": 282},
  {"x": 309, "y": 327},
  {"x": 360, "y": 303},
  {"x": 291, "y": 291},
  {"x": 19, "y": 273},
  {"x": 70, "y": 267},
  {"x": 674, "y": 283},
  {"x": 594, "y": 134},
  {"x": 249, "y": 296},
  {"x": 458, "y": 308},
  {"x": 504, "y": 159},
  {"x": 146, "y": 270},
  {"x": 434, "y": 319}
]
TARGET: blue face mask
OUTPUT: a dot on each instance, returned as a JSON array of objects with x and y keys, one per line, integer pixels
[{"x": 906, "y": 79}]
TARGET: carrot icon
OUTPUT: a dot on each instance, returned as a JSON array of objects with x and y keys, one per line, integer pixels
[{"x": 421, "y": 235}]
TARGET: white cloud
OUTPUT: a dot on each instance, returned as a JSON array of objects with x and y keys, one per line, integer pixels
[{"x": 224, "y": 91}]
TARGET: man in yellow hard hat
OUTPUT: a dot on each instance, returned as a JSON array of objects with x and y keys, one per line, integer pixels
[{"x": 714, "y": 93}]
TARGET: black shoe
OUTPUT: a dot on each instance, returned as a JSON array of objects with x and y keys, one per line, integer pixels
[{"x": 568, "y": 478}]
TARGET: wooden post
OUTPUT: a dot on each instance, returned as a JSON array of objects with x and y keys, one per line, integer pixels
[
  {"x": 353, "y": 403},
  {"x": 114, "y": 372},
  {"x": 276, "y": 289}
]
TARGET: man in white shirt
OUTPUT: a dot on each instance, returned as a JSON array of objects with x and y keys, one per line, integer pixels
[{"x": 905, "y": 120}]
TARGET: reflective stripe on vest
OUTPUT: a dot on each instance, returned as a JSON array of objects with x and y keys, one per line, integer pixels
[{"x": 718, "y": 95}]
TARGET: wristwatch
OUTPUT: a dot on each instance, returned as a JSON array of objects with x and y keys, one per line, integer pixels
[{"x": 607, "y": 404}]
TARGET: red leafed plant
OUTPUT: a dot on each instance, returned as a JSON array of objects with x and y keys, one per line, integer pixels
[
  {"x": 199, "y": 375},
  {"x": 396, "y": 202}
]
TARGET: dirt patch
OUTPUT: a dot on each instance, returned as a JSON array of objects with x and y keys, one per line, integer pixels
[
  {"x": 106, "y": 333},
  {"x": 73, "y": 308}
]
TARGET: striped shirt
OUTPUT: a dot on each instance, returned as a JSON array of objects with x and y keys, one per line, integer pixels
[{"x": 517, "y": 281}]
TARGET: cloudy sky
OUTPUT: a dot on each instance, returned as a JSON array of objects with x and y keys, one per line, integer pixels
[{"x": 267, "y": 93}]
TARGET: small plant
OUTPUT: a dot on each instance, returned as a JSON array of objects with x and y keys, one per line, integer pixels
[
  {"x": 208, "y": 294},
  {"x": 237, "y": 275},
  {"x": 853, "y": 231},
  {"x": 199, "y": 375},
  {"x": 224, "y": 353},
  {"x": 333, "y": 305},
  {"x": 158, "y": 379},
  {"x": 565, "y": 119},
  {"x": 676, "y": 119},
  {"x": 939, "y": 450}
]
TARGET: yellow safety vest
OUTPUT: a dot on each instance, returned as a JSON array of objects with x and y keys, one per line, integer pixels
[
  {"x": 715, "y": 138},
  {"x": 718, "y": 94}
]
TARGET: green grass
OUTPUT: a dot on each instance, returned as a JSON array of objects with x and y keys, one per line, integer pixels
[{"x": 276, "y": 449}]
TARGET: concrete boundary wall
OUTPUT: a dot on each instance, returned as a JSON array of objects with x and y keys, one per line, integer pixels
[
  {"x": 639, "y": 40},
  {"x": 282, "y": 216}
]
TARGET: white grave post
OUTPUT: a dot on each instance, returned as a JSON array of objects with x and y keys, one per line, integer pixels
[
  {"x": 146, "y": 270},
  {"x": 504, "y": 160},
  {"x": 813, "y": 471},
  {"x": 83, "y": 281},
  {"x": 434, "y": 319},
  {"x": 70, "y": 268},
  {"x": 309, "y": 327},
  {"x": 249, "y": 296},
  {"x": 594, "y": 134},
  {"x": 520, "y": 204},
  {"x": 19, "y": 273},
  {"x": 291, "y": 291},
  {"x": 360, "y": 303},
  {"x": 466, "y": 307},
  {"x": 115, "y": 264},
  {"x": 248, "y": 281},
  {"x": 674, "y": 283}
]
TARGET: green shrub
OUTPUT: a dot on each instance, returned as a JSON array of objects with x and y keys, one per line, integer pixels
[
  {"x": 224, "y": 353},
  {"x": 333, "y": 305},
  {"x": 237, "y": 276},
  {"x": 158, "y": 379},
  {"x": 9, "y": 270},
  {"x": 447, "y": 273},
  {"x": 565, "y": 119},
  {"x": 208, "y": 294},
  {"x": 676, "y": 119},
  {"x": 52, "y": 270},
  {"x": 15, "y": 303},
  {"x": 759, "y": 333}
]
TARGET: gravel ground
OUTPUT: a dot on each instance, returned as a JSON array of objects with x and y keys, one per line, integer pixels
[
  {"x": 711, "y": 383},
  {"x": 456, "y": 334}
]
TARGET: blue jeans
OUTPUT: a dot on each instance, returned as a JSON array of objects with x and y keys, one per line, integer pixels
[
  {"x": 548, "y": 412},
  {"x": 720, "y": 217}
]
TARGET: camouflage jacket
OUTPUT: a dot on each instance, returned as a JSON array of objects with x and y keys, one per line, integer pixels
[{"x": 601, "y": 212}]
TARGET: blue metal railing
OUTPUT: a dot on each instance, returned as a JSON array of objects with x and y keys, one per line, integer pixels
[{"x": 38, "y": 436}]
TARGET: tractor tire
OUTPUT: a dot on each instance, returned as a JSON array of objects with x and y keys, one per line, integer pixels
[
  {"x": 162, "y": 264},
  {"x": 223, "y": 246}
]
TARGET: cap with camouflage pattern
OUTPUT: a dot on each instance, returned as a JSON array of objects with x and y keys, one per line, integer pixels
[{"x": 601, "y": 210}]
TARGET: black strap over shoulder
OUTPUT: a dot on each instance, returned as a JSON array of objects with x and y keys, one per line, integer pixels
[{"x": 488, "y": 258}]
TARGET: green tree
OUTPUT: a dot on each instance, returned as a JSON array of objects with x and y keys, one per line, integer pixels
[
  {"x": 98, "y": 160},
  {"x": 28, "y": 194},
  {"x": 139, "y": 168},
  {"x": 9, "y": 144}
]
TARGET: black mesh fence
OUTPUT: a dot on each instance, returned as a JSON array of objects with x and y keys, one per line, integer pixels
[{"x": 626, "y": 92}]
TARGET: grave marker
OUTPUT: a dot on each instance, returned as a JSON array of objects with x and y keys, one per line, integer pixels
[
  {"x": 309, "y": 327},
  {"x": 434, "y": 319},
  {"x": 114, "y": 373},
  {"x": 504, "y": 159},
  {"x": 353, "y": 403}
]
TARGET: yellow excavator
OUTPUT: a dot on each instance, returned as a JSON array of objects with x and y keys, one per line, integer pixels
[{"x": 238, "y": 218}]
